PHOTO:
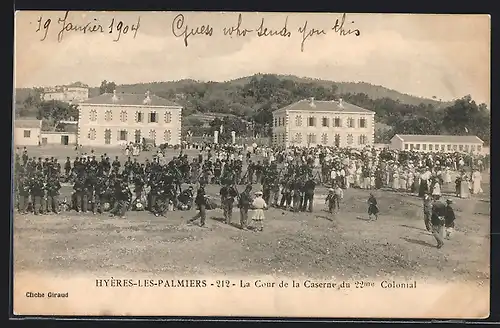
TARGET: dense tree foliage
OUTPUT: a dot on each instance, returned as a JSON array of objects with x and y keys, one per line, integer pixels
[{"x": 251, "y": 101}]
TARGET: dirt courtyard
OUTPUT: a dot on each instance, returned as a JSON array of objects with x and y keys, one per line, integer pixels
[{"x": 313, "y": 244}]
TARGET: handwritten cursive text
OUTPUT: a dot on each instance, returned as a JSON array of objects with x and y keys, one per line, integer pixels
[
  {"x": 339, "y": 28},
  {"x": 181, "y": 31},
  {"x": 308, "y": 33},
  {"x": 236, "y": 29},
  {"x": 264, "y": 31}
]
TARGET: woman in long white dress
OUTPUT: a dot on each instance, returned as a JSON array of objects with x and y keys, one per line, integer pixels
[
  {"x": 476, "y": 182},
  {"x": 447, "y": 175},
  {"x": 464, "y": 187}
]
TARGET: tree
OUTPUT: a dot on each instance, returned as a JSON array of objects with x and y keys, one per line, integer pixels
[
  {"x": 55, "y": 110},
  {"x": 107, "y": 87}
]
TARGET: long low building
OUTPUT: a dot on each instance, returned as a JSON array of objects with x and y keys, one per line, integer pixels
[{"x": 442, "y": 143}]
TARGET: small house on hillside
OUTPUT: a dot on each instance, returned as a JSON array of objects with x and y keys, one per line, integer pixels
[
  {"x": 442, "y": 143},
  {"x": 27, "y": 132}
]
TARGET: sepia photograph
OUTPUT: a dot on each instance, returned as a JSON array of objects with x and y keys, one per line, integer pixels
[{"x": 251, "y": 164}]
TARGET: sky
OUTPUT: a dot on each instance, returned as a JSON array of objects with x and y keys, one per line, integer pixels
[{"x": 442, "y": 56}]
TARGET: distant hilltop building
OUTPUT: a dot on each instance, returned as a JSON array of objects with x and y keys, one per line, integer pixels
[
  {"x": 73, "y": 93},
  {"x": 310, "y": 122}
]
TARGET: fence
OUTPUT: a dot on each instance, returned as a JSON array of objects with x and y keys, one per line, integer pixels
[{"x": 239, "y": 141}]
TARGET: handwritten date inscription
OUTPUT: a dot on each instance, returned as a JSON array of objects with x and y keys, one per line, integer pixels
[{"x": 115, "y": 27}]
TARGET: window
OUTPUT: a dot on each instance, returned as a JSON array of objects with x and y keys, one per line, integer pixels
[
  {"x": 138, "y": 117},
  {"x": 311, "y": 121},
  {"x": 467, "y": 148},
  {"x": 362, "y": 139},
  {"x": 350, "y": 139},
  {"x": 108, "y": 115},
  {"x": 448, "y": 147},
  {"x": 280, "y": 121},
  {"x": 417, "y": 146},
  {"x": 362, "y": 123},
  {"x": 412, "y": 146},
  {"x": 455, "y": 147},
  {"x": 93, "y": 115},
  {"x": 337, "y": 122},
  {"x": 406, "y": 146},
  {"x": 123, "y": 116},
  {"x": 473, "y": 147},
  {"x": 167, "y": 135},
  {"x": 122, "y": 136},
  {"x": 107, "y": 136},
  {"x": 275, "y": 138},
  {"x": 283, "y": 137},
  {"x": 275, "y": 121},
  {"x": 478, "y": 148},
  {"x": 337, "y": 140},
  {"x": 298, "y": 137},
  {"x": 442, "y": 147},
  {"x": 92, "y": 134},
  {"x": 168, "y": 117},
  {"x": 350, "y": 122},
  {"x": 27, "y": 133},
  {"x": 311, "y": 138},
  {"x": 324, "y": 138},
  {"x": 424, "y": 147},
  {"x": 298, "y": 120},
  {"x": 461, "y": 147},
  {"x": 325, "y": 122},
  {"x": 152, "y": 135},
  {"x": 153, "y": 118}
]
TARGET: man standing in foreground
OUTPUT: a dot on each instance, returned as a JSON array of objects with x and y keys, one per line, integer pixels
[
  {"x": 200, "y": 202},
  {"x": 437, "y": 220},
  {"x": 244, "y": 203}
]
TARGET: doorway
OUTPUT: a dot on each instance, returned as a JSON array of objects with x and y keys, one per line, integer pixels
[{"x": 64, "y": 140}]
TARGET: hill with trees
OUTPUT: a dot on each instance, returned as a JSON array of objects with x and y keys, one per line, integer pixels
[{"x": 253, "y": 99}]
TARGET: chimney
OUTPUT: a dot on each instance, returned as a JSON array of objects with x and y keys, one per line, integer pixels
[
  {"x": 311, "y": 102},
  {"x": 147, "y": 99},
  {"x": 115, "y": 97},
  {"x": 341, "y": 103}
]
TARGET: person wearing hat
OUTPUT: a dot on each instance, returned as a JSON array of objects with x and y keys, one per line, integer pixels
[
  {"x": 201, "y": 203},
  {"x": 449, "y": 218},
  {"x": 244, "y": 203},
  {"x": 438, "y": 220},
  {"x": 427, "y": 200},
  {"x": 258, "y": 206}
]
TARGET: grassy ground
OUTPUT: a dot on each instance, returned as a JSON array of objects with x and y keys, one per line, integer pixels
[{"x": 314, "y": 244}]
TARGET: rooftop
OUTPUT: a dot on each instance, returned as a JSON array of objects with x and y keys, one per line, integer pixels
[
  {"x": 438, "y": 138},
  {"x": 325, "y": 106},
  {"x": 129, "y": 99},
  {"x": 27, "y": 123}
]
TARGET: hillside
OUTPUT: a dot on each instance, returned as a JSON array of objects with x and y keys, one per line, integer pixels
[{"x": 372, "y": 91}]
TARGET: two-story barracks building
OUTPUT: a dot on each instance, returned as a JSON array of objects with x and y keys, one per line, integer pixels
[
  {"x": 308, "y": 123},
  {"x": 114, "y": 119}
]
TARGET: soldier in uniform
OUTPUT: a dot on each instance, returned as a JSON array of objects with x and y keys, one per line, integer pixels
[
  {"x": 24, "y": 193},
  {"x": 123, "y": 199},
  {"x": 201, "y": 203},
  {"x": 38, "y": 192},
  {"x": 438, "y": 220},
  {"x": 228, "y": 194},
  {"x": 297, "y": 194},
  {"x": 244, "y": 203},
  {"x": 80, "y": 197},
  {"x": 309, "y": 187},
  {"x": 53, "y": 188}
]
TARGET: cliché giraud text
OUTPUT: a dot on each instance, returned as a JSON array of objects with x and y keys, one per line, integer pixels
[{"x": 257, "y": 283}]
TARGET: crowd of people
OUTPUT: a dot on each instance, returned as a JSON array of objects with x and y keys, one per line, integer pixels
[{"x": 288, "y": 178}]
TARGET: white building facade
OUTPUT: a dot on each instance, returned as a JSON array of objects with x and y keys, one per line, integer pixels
[
  {"x": 308, "y": 123},
  {"x": 437, "y": 143},
  {"x": 117, "y": 119},
  {"x": 27, "y": 132}
]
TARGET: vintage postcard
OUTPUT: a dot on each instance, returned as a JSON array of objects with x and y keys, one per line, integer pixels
[{"x": 248, "y": 164}]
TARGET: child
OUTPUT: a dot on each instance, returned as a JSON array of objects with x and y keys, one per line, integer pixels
[
  {"x": 372, "y": 207},
  {"x": 339, "y": 195},
  {"x": 330, "y": 200},
  {"x": 259, "y": 205}
]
